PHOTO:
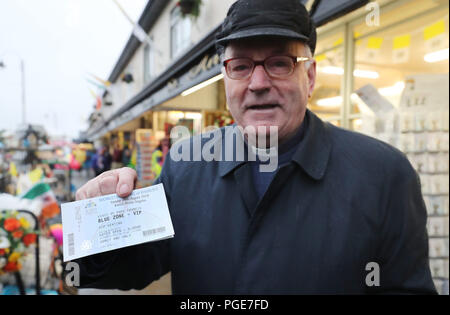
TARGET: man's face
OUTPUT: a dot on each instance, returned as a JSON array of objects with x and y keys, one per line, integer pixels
[{"x": 261, "y": 100}]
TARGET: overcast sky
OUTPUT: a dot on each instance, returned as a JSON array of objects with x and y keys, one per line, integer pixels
[{"x": 60, "y": 42}]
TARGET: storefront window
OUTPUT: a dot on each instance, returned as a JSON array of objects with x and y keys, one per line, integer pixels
[
  {"x": 405, "y": 102},
  {"x": 191, "y": 120},
  {"x": 409, "y": 40},
  {"x": 326, "y": 100}
]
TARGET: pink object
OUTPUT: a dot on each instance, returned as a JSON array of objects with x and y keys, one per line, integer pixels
[{"x": 57, "y": 233}]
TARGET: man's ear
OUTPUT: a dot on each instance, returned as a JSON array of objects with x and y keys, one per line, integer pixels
[{"x": 311, "y": 77}]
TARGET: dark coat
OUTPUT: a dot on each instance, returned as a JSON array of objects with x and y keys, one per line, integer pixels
[{"x": 344, "y": 201}]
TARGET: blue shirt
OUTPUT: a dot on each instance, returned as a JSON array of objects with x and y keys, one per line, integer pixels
[{"x": 262, "y": 180}]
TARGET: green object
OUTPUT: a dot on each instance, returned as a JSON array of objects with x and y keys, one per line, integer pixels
[
  {"x": 190, "y": 8},
  {"x": 37, "y": 190}
]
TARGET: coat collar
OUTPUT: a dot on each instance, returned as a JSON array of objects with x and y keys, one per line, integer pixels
[
  {"x": 312, "y": 154},
  {"x": 226, "y": 167},
  {"x": 314, "y": 150}
]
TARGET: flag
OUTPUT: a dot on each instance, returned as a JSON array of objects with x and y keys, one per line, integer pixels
[
  {"x": 98, "y": 105},
  {"x": 138, "y": 31},
  {"x": 43, "y": 193},
  {"x": 105, "y": 83},
  {"x": 94, "y": 95},
  {"x": 100, "y": 86}
]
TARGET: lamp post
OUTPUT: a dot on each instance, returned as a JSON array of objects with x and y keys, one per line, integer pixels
[{"x": 22, "y": 72}]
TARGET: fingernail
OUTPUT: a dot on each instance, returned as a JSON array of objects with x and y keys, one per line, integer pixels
[{"x": 124, "y": 189}]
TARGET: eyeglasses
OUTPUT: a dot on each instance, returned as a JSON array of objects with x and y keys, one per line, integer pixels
[{"x": 275, "y": 66}]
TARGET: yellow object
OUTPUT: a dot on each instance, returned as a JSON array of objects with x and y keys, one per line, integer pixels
[
  {"x": 80, "y": 156},
  {"x": 156, "y": 167},
  {"x": 35, "y": 175},
  {"x": 14, "y": 257},
  {"x": 24, "y": 223},
  {"x": 13, "y": 170},
  {"x": 374, "y": 42},
  {"x": 143, "y": 135},
  {"x": 338, "y": 42},
  {"x": 434, "y": 30},
  {"x": 402, "y": 41},
  {"x": 355, "y": 36},
  {"x": 121, "y": 139},
  {"x": 321, "y": 57},
  {"x": 133, "y": 159}
]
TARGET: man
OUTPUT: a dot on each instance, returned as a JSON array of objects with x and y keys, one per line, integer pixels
[{"x": 338, "y": 203}]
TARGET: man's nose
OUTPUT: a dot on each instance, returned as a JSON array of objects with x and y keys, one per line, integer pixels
[{"x": 259, "y": 81}]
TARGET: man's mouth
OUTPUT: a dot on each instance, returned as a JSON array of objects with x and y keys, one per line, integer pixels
[{"x": 262, "y": 106}]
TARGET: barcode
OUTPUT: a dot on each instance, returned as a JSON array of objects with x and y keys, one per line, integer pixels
[
  {"x": 71, "y": 244},
  {"x": 154, "y": 231}
]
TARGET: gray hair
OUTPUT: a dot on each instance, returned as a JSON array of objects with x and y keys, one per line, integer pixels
[{"x": 221, "y": 52}]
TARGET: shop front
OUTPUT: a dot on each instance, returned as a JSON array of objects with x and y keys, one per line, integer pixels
[{"x": 387, "y": 76}]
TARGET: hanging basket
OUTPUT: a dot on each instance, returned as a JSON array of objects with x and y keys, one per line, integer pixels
[
  {"x": 186, "y": 6},
  {"x": 190, "y": 7}
]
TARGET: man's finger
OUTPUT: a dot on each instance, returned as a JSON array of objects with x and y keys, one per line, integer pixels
[
  {"x": 127, "y": 178},
  {"x": 120, "y": 181},
  {"x": 101, "y": 185},
  {"x": 107, "y": 183},
  {"x": 80, "y": 194}
]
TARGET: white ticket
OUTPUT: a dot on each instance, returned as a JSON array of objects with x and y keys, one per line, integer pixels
[{"x": 105, "y": 223}]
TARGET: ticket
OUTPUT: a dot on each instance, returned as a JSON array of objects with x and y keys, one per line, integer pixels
[{"x": 105, "y": 223}]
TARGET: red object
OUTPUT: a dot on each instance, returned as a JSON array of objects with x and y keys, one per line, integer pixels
[
  {"x": 50, "y": 210},
  {"x": 29, "y": 239},
  {"x": 99, "y": 103},
  {"x": 17, "y": 234},
  {"x": 11, "y": 267},
  {"x": 2, "y": 252},
  {"x": 11, "y": 224},
  {"x": 61, "y": 167},
  {"x": 74, "y": 164}
]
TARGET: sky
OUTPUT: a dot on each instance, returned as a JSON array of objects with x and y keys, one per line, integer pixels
[{"x": 60, "y": 43}]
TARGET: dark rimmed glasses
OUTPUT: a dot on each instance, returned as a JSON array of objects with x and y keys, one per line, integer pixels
[{"x": 275, "y": 66}]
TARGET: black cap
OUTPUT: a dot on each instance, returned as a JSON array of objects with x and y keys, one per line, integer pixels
[{"x": 274, "y": 18}]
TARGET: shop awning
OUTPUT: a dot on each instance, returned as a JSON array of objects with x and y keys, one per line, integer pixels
[{"x": 325, "y": 11}]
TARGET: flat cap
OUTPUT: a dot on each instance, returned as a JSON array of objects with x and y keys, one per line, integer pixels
[{"x": 268, "y": 18}]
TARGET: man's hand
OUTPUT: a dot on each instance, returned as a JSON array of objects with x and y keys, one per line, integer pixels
[{"x": 120, "y": 181}]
